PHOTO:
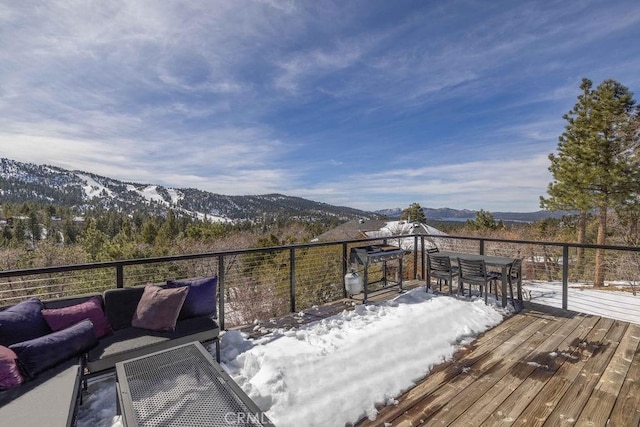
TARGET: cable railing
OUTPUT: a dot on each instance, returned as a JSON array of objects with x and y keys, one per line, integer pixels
[{"x": 264, "y": 283}]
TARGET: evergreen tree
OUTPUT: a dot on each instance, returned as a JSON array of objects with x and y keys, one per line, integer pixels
[
  {"x": 484, "y": 221},
  {"x": 414, "y": 213},
  {"x": 595, "y": 167},
  {"x": 567, "y": 192},
  {"x": 149, "y": 231},
  {"x": 6, "y": 235},
  {"x": 50, "y": 211},
  {"x": 629, "y": 210},
  {"x": 93, "y": 240},
  {"x": 169, "y": 229},
  {"x": 34, "y": 226},
  {"x": 19, "y": 230},
  {"x": 69, "y": 231},
  {"x": 49, "y": 228}
]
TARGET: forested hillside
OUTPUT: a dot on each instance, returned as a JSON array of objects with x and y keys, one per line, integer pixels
[
  {"x": 33, "y": 235},
  {"x": 86, "y": 192}
]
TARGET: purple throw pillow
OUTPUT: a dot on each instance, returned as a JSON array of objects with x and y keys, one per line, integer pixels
[
  {"x": 158, "y": 308},
  {"x": 40, "y": 354},
  {"x": 22, "y": 322},
  {"x": 10, "y": 375},
  {"x": 62, "y": 318},
  {"x": 201, "y": 299}
]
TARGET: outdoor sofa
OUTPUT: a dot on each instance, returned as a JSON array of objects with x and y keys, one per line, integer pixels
[{"x": 47, "y": 348}]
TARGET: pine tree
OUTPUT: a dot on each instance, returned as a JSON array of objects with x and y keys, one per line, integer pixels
[
  {"x": 19, "y": 230},
  {"x": 34, "y": 226},
  {"x": 629, "y": 210},
  {"x": 149, "y": 231},
  {"x": 595, "y": 167},
  {"x": 93, "y": 240},
  {"x": 6, "y": 235},
  {"x": 414, "y": 213},
  {"x": 484, "y": 221},
  {"x": 70, "y": 231}
]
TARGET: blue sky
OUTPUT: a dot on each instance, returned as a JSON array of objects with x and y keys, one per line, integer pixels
[{"x": 369, "y": 104}]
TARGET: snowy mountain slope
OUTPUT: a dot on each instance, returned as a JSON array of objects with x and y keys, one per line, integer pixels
[{"x": 21, "y": 182}]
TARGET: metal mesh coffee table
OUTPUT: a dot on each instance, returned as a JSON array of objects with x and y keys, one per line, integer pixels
[{"x": 182, "y": 386}]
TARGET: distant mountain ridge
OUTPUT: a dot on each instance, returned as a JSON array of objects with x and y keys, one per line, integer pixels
[
  {"x": 27, "y": 182},
  {"x": 448, "y": 214}
]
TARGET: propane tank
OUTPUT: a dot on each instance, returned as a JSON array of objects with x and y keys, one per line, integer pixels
[{"x": 353, "y": 282}]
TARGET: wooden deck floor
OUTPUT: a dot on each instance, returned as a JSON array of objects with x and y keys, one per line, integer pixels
[{"x": 542, "y": 366}]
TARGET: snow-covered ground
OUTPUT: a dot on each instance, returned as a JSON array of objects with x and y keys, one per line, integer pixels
[
  {"x": 608, "y": 302},
  {"x": 335, "y": 371},
  {"x": 93, "y": 188}
]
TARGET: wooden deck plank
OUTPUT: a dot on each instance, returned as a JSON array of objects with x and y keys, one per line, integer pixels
[
  {"x": 547, "y": 399},
  {"x": 626, "y": 411},
  {"x": 571, "y": 404},
  {"x": 495, "y": 398},
  {"x": 519, "y": 399},
  {"x": 442, "y": 374},
  {"x": 483, "y": 385},
  {"x": 598, "y": 408},
  {"x": 431, "y": 404}
]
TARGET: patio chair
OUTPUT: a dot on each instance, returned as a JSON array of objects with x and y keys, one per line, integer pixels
[
  {"x": 474, "y": 272},
  {"x": 433, "y": 250},
  {"x": 439, "y": 266},
  {"x": 514, "y": 273}
]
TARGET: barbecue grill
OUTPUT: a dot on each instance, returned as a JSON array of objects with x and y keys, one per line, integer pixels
[{"x": 373, "y": 254}]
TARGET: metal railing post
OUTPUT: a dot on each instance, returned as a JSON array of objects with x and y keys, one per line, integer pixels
[
  {"x": 344, "y": 268},
  {"x": 565, "y": 276},
  {"x": 119, "y": 276},
  {"x": 415, "y": 257},
  {"x": 221, "y": 292},
  {"x": 292, "y": 279},
  {"x": 423, "y": 253},
  {"x": 481, "y": 241}
]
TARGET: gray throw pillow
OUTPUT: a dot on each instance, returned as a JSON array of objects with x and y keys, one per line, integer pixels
[{"x": 158, "y": 308}]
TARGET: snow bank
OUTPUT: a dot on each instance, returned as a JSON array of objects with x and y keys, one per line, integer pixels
[{"x": 336, "y": 370}]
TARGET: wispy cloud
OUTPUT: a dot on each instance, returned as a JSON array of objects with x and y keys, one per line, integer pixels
[
  {"x": 502, "y": 183},
  {"x": 366, "y": 104}
]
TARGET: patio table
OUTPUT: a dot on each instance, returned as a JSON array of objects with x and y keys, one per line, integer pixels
[
  {"x": 182, "y": 386},
  {"x": 492, "y": 261}
]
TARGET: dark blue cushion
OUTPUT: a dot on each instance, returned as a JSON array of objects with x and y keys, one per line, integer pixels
[
  {"x": 40, "y": 354},
  {"x": 201, "y": 299},
  {"x": 22, "y": 322}
]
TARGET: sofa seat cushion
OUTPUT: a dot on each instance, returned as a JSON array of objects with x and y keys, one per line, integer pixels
[
  {"x": 132, "y": 342},
  {"x": 48, "y": 400}
]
